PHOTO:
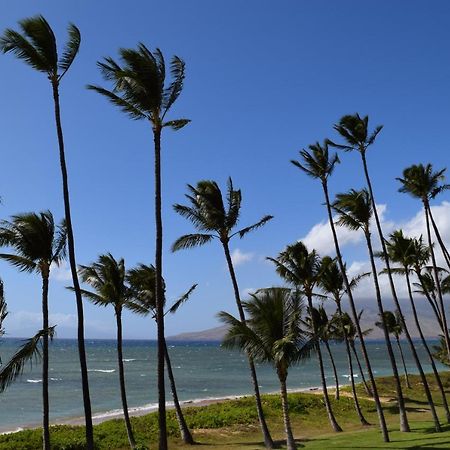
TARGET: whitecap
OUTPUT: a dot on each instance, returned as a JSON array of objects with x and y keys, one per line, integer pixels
[
  {"x": 102, "y": 370},
  {"x": 129, "y": 359},
  {"x": 34, "y": 381}
]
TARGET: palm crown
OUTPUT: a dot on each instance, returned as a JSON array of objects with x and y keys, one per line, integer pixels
[
  {"x": 317, "y": 162},
  {"x": 392, "y": 322},
  {"x": 422, "y": 182},
  {"x": 37, "y": 47},
  {"x": 38, "y": 242},
  {"x": 208, "y": 213},
  {"x": 354, "y": 129},
  {"x": 139, "y": 85},
  {"x": 354, "y": 209}
]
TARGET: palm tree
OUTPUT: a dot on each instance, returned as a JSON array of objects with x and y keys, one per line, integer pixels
[
  {"x": 3, "y": 311},
  {"x": 302, "y": 269},
  {"x": 332, "y": 283},
  {"x": 394, "y": 326},
  {"x": 423, "y": 183},
  {"x": 440, "y": 352},
  {"x": 325, "y": 327},
  {"x": 38, "y": 243},
  {"x": 355, "y": 211},
  {"x": 107, "y": 277},
  {"x": 317, "y": 163},
  {"x": 272, "y": 334},
  {"x": 37, "y": 47},
  {"x": 412, "y": 254},
  {"x": 139, "y": 89},
  {"x": 214, "y": 220},
  {"x": 141, "y": 280}
]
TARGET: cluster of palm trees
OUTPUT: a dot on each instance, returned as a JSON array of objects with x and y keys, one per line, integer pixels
[{"x": 280, "y": 325}]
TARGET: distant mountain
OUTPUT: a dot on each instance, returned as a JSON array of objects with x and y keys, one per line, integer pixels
[{"x": 370, "y": 315}]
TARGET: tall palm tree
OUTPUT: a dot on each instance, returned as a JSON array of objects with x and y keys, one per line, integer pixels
[
  {"x": 272, "y": 333},
  {"x": 37, "y": 47},
  {"x": 332, "y": 283},
  {"x": 318, "y": 164},
  {"x": 3, "y": 312},
  {"x": 355, "y": 211},
  {"x": 215, "y": 220},
  {"x": 423, "y": 183},
  {"x": 37, "y": 244},
  {"x": 140, "y": 90},
  {"x": 107, "y": 277},
  {"x": 302, "y": 269},
  {"x": 141, "y": 280},
  {"x": 355, "y": 131},
  {"x": 412, "y": 255},
  {"x": 394, "y": 326},
  {"x": 325, "y": 327}
]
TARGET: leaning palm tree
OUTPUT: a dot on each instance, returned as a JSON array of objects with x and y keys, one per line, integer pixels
[
  {"x": 412, "y": 255},
  {"x": 37, "y": 244},
  {"x": 215, "y": 220},
  {"x": 36, "y": 46},
  {"x": 140, "y": 90},
  {"x": 141, "y": 280},
  {"x": 317, "y": 163},
  {"x": 273, "y": 334},
  {"x": 394, "y": 326},
  {"x": 332, "y": 284},
  {"x": 423, "y": 183},
  {"x": 302, "y": 269},
  {"x": 107, "y": 277},
  {"x": 355, "y": 210}
]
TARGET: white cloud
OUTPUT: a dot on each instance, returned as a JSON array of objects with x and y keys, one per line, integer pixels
[
  {"x": 61, "y": 272},
  {"x": 238, "y": 257}
]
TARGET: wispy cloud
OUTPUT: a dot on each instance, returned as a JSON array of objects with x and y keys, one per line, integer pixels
[
  {"x": 61, "y": 272},
  {"x": 239, "y": 257}
]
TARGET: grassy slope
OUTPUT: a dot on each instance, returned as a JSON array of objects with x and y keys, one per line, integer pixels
[{"x": 233, "y": 424}]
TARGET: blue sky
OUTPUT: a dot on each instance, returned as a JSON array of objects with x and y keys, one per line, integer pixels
[{"x": 264, "y": 79}]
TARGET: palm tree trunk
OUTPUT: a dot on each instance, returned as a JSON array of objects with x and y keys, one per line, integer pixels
[
  {"x": 45, "y": 402},
  {"x": 366, "y": 386},
  {"x": 123, "y": 393},
  {"x": 436, "y": 280},
  {"x": 427, "y": 349},
  {"x": 336, "y": 379},
  {"x": 159, "y": 293},
  {"x": 326, "y": 398},
  {"x": 73, "y": 269},
  {"x": 408, "y": 384},
  {"x": 404, "y": 426},
  {"x": 290, "y": 441},
  {"x": 268, "y": 442},
  {"x": 184, "y": 429},
  {"x": 361, "y": 417},
  {"x": 376, "y": 397},
  {"x": 439, "y": 238},
  {"x": 431, "y": 301}
]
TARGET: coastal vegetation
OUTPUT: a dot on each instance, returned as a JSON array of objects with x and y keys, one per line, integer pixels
[{"x": 282, "y": 326}]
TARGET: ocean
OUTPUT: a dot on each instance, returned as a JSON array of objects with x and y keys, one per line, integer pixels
[{"x": 203, "y": 370}]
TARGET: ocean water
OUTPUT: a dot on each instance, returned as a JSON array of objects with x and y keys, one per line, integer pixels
[{"x": 203, "y": 370}]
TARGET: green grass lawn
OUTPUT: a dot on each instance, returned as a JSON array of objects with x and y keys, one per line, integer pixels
[{"x": 234, "y": 425}]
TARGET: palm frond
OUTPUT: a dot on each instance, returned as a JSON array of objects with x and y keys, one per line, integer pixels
[
  {"x": 30, "y": 351},
  {"x": 191, "y": 240},
  {"x": 255, "y": 226},
  {"x": 70, "y": 50},
  {"x": 170, "y": 95},
  {"x": 174, "y": 308},
  {"x": 22, "y": 263},
  {"x": 176, "y": 124}
]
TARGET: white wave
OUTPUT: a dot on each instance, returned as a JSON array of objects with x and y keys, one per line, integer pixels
[
  {"x": 129, "y": 359},
  {"x": 102, "y": 370},
  {"x": 34, "y": 381},
  {"x": 13, "y": 431},
  {"x": 56, "y": 379},
  {"x": 348, "y": 376}
]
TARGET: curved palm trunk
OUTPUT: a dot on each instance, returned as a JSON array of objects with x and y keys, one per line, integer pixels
[
  {"x": 404, "y": 426},
  {"x": 326, "y": 398},
  {"x": 361, "y": 417},
  {"x": 425, "y": 345},
  {"x": 366, "y": 386},
  {"x": 290, "y": 441},
  {"x": 73, "y": 270},
  {"x": 122, "y": 380},
  {"x": 439, "y": 238},
  {"x": 268, "y": 442},
  {"x": 408, "y": 384},
  {"x": 184, "y": 429},
  {"x": 431, "y": 301},
  {"x": 45, "y": 402},
  {"x": 398, "y": 307},
  {"x": 376, "y": 397},
  {"x": 159, "y": 293},
  {"x": 436, "y": 280},
  {"x": 336, "y": 379}
]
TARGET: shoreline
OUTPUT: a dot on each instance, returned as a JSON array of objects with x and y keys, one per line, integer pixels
[{"x": 139, "y": 411}]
